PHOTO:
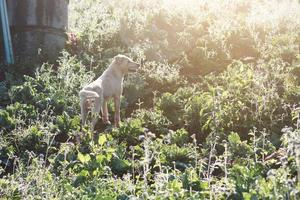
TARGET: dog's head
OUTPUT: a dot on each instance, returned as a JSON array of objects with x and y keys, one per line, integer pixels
[{"x": 125, "y": 64}]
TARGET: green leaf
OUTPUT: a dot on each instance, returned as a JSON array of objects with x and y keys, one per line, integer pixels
[
  {"x": 102, "y": 139},
  {"x": 83, "y": 158},
  {"x": 234, "y": 138},
  {"x": 100, "y": 158},
  {"x": 246, "y": 196},
  {"x": 84, "y": 173},
  {"x": 68, "y": 187},
  {"x": 204, "y": 185},
  {"x": 120, "y": 165}
]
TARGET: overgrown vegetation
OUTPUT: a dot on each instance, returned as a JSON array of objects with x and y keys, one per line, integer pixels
[{"x": 214, "y": 112}]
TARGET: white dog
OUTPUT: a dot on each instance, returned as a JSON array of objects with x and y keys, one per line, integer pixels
[{"x": 95, "y": 95}]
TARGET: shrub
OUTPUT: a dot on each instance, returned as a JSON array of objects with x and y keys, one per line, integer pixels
[
  {"x": 237, "y": 147},
  {"x": 179, "y": 137},
  {"x": 129, "y": 131},
  {"x": 6, "y": 121},
  {"x": 153, "y": 120},
  {"x": 134, "y": 89},
  {"x": 65, "y": 124},
  {"x": 174, "y": 156},
  {"x": 172, "y": 108},
  {"x": 34, "y": 139},
  {"x": 55, "y": 89},
  {"x": 22, "y": 112},
  {"x": 162, "y": 77}
]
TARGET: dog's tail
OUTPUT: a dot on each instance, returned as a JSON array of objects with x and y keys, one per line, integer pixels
[{"x": 86, "y": 94}]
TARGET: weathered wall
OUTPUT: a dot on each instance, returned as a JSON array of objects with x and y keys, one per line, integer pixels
[
  {"x": 38, "y": 29},
  {"x": 51, "y": 13}
]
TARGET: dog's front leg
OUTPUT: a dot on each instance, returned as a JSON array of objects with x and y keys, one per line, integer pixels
[
  {"x": 105, "y": 112},
  {"x": 117, "y": 111}
]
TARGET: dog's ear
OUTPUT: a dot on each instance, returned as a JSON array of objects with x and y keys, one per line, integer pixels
[{"x": 118, "y": 59}]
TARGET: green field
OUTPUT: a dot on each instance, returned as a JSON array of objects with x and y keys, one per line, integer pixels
[{"x": 213, "y": 113}]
